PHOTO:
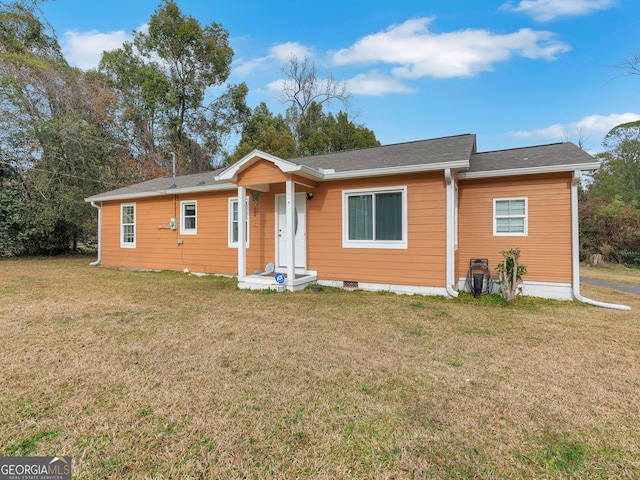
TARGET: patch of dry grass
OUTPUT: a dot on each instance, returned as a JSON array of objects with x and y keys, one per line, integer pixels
[
  {"x": 165, "y": 375},
  {"x": 612, "y": 273}
]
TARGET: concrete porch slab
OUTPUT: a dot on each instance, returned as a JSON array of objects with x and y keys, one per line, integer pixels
[{"x": 268, "y": 281}]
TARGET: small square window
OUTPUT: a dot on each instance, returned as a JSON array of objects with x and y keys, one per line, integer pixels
[{"x": 510, "y": 217}]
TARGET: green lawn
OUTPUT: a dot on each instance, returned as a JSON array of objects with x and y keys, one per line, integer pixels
[
  {"x": 612, "y": 273},
  {"x": 167, "y": 375}
]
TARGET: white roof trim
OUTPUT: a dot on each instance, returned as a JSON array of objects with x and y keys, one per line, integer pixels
[
  {"x": 231, "y": 173},
  {"x": 378, "y": 172},
  {"x": 302, "y": 170},
  {"x": 528, "y": 171},
  {"x": 157, "y": 193}
]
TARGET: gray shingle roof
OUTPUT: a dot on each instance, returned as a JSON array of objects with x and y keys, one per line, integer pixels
[
  {"x": 552, "y": 155},
  {"x": 423, "y": 152},
  {"x": 163, "y": 185},
  {"x": 430, "y": 153}
]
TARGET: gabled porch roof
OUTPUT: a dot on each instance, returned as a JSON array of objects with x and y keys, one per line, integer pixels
[{"x": 230, "y": 174}]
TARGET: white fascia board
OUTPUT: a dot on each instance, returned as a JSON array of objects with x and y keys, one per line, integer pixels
[
  {"x": 310, "y": 173},
  {"x": 386, "y": 171},
  {"x": 159, "y": 193},
  {"x": 231, "y": 173},
  {"x": 529, "y": 171}
]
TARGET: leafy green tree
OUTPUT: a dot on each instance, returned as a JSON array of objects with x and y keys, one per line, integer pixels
[
  {"x": 620, "y": 171},
  {"x": 13, "y": 223},
  {"x": 56, "y": 133},
  {"x": 227, "y": 115},
  {"x": 343, "y": 134},
  {"x": 162, "y": 79},
  {"x": 312, "y": 138},
  {"x": 267, "y": 132},
  {"x": 316, "y": 133},
  {"x": 24, "y": 33},
  {"x": 611, "y": 228},
  {"x": 609, "y": 207},
  {"x": 14, "y": 218},
  {"x": 141, "y": 91}
]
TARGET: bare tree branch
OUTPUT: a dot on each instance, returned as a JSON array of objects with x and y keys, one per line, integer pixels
[
  {"x": 302, "y": 86},
  {"x": 582, "y": 139},
  {"x": 630, "y": 65}
]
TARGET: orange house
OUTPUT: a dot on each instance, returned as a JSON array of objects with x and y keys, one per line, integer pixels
[{"x": 408, "y": 218}]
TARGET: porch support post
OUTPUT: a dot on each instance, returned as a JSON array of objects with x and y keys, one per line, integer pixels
[
  {"x": 291, "y": 233},
  {"x": 242, "y": 241}
]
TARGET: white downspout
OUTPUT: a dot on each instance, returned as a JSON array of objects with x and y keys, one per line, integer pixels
[
  {"x": 575, "y": 248},
  {"x": 99, "y": 207},
  {"x": 450, "y": 247}
]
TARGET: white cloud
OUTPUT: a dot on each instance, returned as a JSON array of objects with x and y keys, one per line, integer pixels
[
  {"x": 421, "y": 53},
  {"x": 280, "y": 54},
  {"x": 242, "y": 67},
  {"x": 588, "y": 127},
  {"x": 276, "y": 87},
  {"x": 285, "y": 51},
  {"x": 375, "y": 83},
  {"x": 545, "y": 10},
  {"x": 84, "y": 49}
]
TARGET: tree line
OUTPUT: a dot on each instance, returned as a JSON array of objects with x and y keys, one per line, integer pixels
[
  {"x": 610, "y": 202},
  {"x": 66, "y": 134}
]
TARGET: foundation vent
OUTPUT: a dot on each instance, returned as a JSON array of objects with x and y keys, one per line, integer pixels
[{"x": 349, "y": 285}]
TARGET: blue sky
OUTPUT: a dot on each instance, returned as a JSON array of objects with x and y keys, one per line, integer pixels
[{"x": 516, "y": 73}]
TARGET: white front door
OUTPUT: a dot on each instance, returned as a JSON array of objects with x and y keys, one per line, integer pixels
[{"x": 300, "y": 219}]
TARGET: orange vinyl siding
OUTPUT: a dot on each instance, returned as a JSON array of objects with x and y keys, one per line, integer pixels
[
  {"x": 546, "y": 250},
  {"x": 422, "y": 263},
  {"x": 207, "y": 251},
  {"x": 261, "y": 172},
  {"x": 304, "y": 182},
  {"x": 262, "y": 228}
]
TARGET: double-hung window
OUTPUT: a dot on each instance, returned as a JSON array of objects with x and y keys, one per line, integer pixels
[
  {"x": 128, "y": 225},
  {"x": 234, "y": 220},
  {"x": 510, "y": 216},
  {"x": 375, "y": 218},
  {"x": 188, "y": 217}
]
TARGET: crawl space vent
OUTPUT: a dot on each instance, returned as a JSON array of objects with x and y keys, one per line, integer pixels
[{"x": 349, "y": 285}]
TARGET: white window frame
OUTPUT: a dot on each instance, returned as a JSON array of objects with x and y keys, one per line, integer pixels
[
  {"x": 525, "y": 217},
  {"x": 231, "y": 242},
  {"x": 392, "y": 244},
  {"x": 183, "y": 229},
  {"x": 124, "y": 244}
]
